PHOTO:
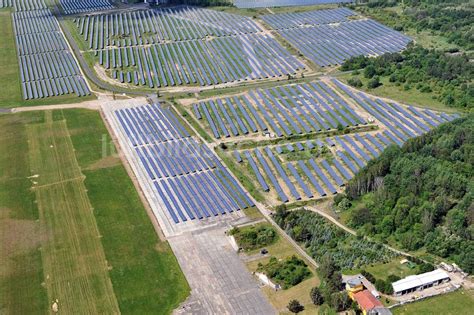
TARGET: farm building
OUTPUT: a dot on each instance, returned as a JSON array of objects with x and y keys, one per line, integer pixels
[{"x": 419, "y": 282}]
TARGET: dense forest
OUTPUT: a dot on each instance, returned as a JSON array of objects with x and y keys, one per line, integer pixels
[
  {"x": 420, "y": 196},
  {"x": 322, "y": 238},
  {"x": 452, "y": 19},
  {"x": 448, "y": 77}
]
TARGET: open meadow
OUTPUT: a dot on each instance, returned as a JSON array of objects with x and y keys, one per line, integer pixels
[{"x": 66, "y": 234}]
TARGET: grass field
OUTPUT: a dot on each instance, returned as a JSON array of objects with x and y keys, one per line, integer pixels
[
  {"x": 99, "y": 251},
  {"x": 11, "y": 95},
  {"x": 21, "y": 269},
  {"x": 74, "y": 263},
  {"x": 456, "y": 303},
  {"x": 382, "y": 271},
  {"x": 390, "y": 90}
]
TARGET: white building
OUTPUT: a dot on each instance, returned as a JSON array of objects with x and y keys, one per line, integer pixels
[{"x": 419, "y": 282}]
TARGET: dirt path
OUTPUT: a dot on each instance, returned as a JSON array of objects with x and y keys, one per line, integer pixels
[{"x": 332, "y": 219}]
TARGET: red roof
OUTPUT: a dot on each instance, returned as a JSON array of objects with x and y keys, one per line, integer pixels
[{"x": 366, "y": 300}]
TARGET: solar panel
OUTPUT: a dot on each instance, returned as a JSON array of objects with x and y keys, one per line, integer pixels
[
  {"x": 300, "y": 181},
  {"x": 322, "y": 176}
]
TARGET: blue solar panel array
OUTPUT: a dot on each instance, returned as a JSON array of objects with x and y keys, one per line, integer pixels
[
  {"x": 166, "y": 47},
  {"x": 189, "y": 179},
  {"x": 74, "y": 6},
  {"x": 320, "y": 174},
  {"x": 47, "y": 66},
  {"x": 250, "y": 4},
  {"x": 328, "y": 37},
  {"x": 24, "y": 5},
  {"x": 285, "y": 110}
]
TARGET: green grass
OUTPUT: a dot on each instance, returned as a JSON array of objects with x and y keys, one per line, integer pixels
[
  {"x": 144, "y": 272},
  {"x": 456, "y": 303},
  {"x": 10, "y": 78},
  {"x": 410, "y": 97},
  {"x": 146, "y": 276},
  {"x": 21, "y": 269},
  {"x": 382, "y": 271},
  {"x": 74, "y": 263}
]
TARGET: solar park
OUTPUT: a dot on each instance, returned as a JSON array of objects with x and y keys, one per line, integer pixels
[
  {"x": 183, "y": 46},
  {"x": 47, "y": 66},
  {"x": 320, "y": 166},
  {"x": 283, "y": 111},
  {"x": 73, "y": 6},
  {"x": 328, "y": 37},
  {"x": 250, "y": 4},
  {"x": 182, "y": 177}
]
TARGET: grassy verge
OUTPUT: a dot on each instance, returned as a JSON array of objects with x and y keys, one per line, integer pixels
[
  {"x": 382, "y": 271},
  {"x": 456, "y": 303}
]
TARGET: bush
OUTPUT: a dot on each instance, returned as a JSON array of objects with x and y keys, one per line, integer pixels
[
  {"x": 340, "y": 301},
  {"x": 255, "y": 236},
  {"x": 295, "y": 307},
  {"x": 355, "y": 82},
  {"x": 287, "y": 273},
  {"x": 368, "y": 276},
  {"x": 370, "y": 72},
  {"x": 317, "y": 296},
  {"x": 374, "y": 83}
]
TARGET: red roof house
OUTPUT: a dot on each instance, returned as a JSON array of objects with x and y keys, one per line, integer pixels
[{"x": 367, "y": 301}]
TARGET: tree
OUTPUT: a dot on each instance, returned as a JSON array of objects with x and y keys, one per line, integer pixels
[
  {"x": 340, "y": 301},
  {"x": 317, "y": 296},
  {"x": 330, "y": 274},
  {"x": 355, "y": 82},
  {"x": 374, "y": 83},
  {"x": 369, "y": 71},
  {"x": 295, "y": 307}
]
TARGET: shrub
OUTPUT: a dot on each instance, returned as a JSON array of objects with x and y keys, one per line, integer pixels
[
  {"x": 317, "y": 296},
  {"x": 355, "y": 82},
  {"x": 255, "y": 236},
  {"x": 295, "y": 307},
  {"x": 374, "y": 83},
  {"x": 287, "y": 273}
]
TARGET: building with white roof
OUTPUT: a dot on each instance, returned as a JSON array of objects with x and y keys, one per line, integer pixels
[{"x": 419, "y": 282}]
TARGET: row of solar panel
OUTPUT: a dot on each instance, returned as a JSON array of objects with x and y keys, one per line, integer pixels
[
  {"x": 23, "y": 5},
  {"x": 291, "y": 109},
  {"x": 317, "y": 17},
  {"x": 55, "y": 87},
  {"x": 203, "y": 62},
  {"x": 324, "y": 175},
  {"x": 174, "y": 24},
  {"x": 150, "y": 125},
  {"x": 250, "y": 4},
  {"x": 328, "y": 45},
  {"x": 401, "y": 123},
  {"x": 74, "y": 6},
  {"x": 187, "y": 177},
  {"x": 47, "y": 67}
]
